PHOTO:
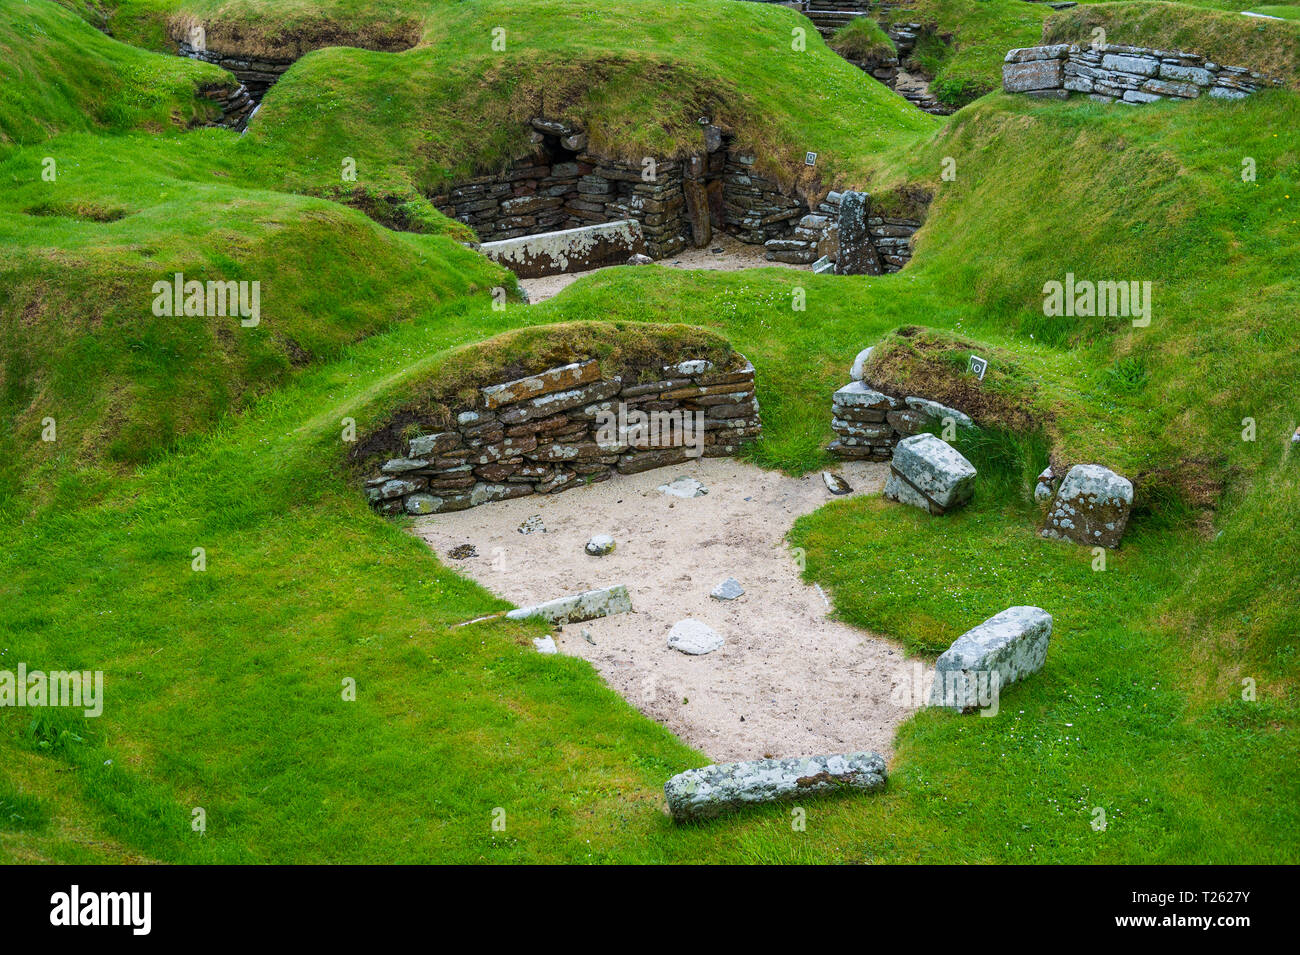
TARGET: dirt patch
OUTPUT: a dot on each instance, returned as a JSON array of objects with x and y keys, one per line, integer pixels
[
  {"x": 734, "y": 256},
  {"x": 788, "y": 681}
]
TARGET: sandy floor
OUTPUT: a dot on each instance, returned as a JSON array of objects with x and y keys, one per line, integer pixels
[
  {"x": 787, "y": 682},
  {"x": 735, "y": 255}
]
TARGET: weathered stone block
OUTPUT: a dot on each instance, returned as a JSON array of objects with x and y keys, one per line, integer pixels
[
  {"x": 1034, "y": 75},
  {"x": 930, "y": 474},
  {"x": 1002, "y": 650},
  {"x": 708, "y": 791},
  {"x": 1091, "y": 507}
]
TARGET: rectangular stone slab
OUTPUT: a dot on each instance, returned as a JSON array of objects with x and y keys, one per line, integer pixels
[
  {"x": 570, "y": 250},
  {"x": 554, "y": 379},
  {"x": 708, "y": 791},
  {"x": 1012, "y": 644},
  {"x": 578, "y": 607}
]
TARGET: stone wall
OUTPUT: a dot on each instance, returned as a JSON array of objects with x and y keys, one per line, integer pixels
[
  {"x": 563, "y": 186},
  {"x": 550, "y": 431},
  {"x": 235, "y": 103},
  {"x": 868, "y": 422},
  {"x": 257, "y": 75},
  {"x": 1128, "y": 74},
  {"x": 858, "y": 239}
]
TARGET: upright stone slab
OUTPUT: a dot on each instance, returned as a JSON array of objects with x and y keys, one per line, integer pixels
[
  {"x": 1091, "y": 507},
  {"x": 1002, "y": 650},
  {"x": 711, "y": 790},
  {"x": 928, "y": 473},
  {"x": 857, "y": 255}
]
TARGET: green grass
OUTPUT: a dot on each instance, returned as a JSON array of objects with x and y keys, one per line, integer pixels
[
  {"x": 59, "y": 74},
  {"x": 81, "y": 342},
  {"x": 861, "y": 39},
  {"x": 224, "y": 686}
]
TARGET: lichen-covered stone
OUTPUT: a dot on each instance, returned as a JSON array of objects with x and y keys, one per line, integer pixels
[
  {"x": 1091, "y": 507},
  {"x": 1002, "y": 650},
  {"x": 711, "y": 790},
  {"x": 578, "y": 607},
  {"x": 928, "y": 473},
  {"x": 554, "y": 379}
]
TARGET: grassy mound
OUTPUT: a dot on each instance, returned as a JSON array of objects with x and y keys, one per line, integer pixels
[
  {"x": 82, "y": 344},
  {"x": 863, "y": 39},
  {"x": 59, "y": 74}
]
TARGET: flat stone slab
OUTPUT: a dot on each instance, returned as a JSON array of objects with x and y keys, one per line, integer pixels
[
  {"x": 729, "y": 589},
  {"x": 711, "y": 790},
  {"x": 861, "y": 397},
  {"x": 938, "y": 411},
  {"x": 1002, "y": 650},
  {"x": 684, "y": 487},
  {"x": 578, "y": 607},
  {"x": 533, "y": 386},
  {"x": 1091, "y": 507},
  {"x": 857, "y": 371},
  {"x": 693, "y": 637},
  {"x": 928, "y": 473},
  {"x": 569, "y": 250}
]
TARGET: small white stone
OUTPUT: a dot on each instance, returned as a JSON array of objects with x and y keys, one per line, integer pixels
[
  {"x": 692, "y": 637},
  {"x": 729, "y": 589},
  {"x": 545, "y": 644},
  {"x": 684, "y": 487},
  {"x": 600, "y": 545}
]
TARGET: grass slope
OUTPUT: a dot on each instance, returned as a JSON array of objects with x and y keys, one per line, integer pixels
[{"x": 58, "y": 74}]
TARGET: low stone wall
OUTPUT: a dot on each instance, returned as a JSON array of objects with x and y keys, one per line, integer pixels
[
  {"x": 1129, "y": 74},
  {"x": 566, "y": 426},
  {"x": 236, "y": 105},
  {"x": 563, "y": 186},
  {"x": 571, "y": 250},
  {"x": 868, "y": 423},
  {"x": 256, "y": 75}
]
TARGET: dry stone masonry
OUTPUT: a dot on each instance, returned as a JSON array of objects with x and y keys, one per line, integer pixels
[
  {"x": 1128, "y": 74},
  {"x": 711, "y": 790},
  {"x": 676, "y": 203},
  {"x": 566, "y": 426},
  {"x": 869, "y": 424}
]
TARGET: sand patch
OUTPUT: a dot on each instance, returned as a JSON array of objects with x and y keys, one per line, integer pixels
[
  {"x": 735, "y": 256},
  {"x": 787, "y": 682}
]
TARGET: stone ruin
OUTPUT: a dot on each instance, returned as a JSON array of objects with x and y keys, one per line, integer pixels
[
  {"x": 1109, "y": 73},
  {"x": 676, "y": 203},
  {"x": 564, "y": 427}
]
